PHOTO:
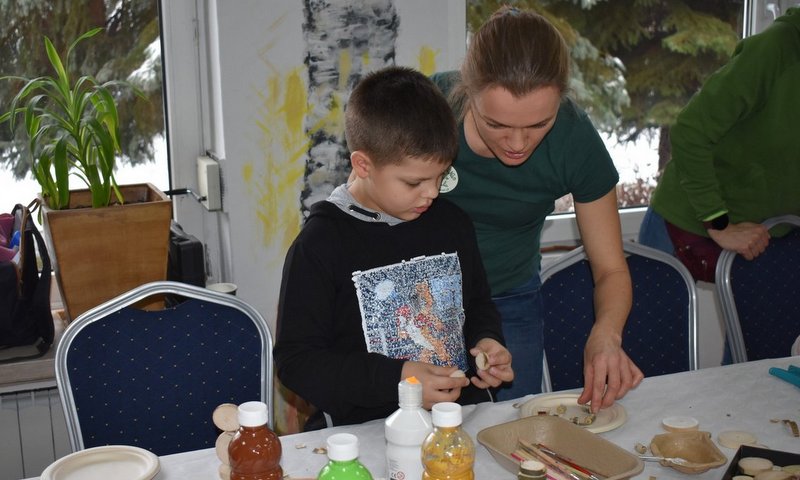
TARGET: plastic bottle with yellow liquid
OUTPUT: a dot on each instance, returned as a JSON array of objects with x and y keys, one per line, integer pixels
[{"x": 448, "y": 453}]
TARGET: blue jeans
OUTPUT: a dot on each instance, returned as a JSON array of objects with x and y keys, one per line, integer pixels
[
  {"x": 653, "y": 232},
  {"x": 521, "y": 311}
]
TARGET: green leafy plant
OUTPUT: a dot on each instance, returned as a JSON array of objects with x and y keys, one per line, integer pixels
[{"x": 72, "y": 129}]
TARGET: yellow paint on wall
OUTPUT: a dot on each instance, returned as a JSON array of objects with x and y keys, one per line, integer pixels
[
  {"x": 294, "y": 107},
  {"x": 247, "y": 172},
  {"x": 333, "y": 121},
  {"x": 345, "y": 67},
  {"x": 427, "y": 60},
  {"x": 275, "y": 183}
]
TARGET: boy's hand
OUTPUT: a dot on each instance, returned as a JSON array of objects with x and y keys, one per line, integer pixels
[
  {"x": 499, "y": 364},
  {"x": 437, "y": 384}
]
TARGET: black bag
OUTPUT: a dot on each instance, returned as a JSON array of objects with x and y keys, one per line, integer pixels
[{"x": 25, "y": 316}]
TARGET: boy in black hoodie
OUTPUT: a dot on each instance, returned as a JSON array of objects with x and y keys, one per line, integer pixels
[{"x": 385, "y": 281}]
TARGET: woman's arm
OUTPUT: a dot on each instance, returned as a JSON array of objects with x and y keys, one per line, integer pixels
[{"x": 608, "y": 372}]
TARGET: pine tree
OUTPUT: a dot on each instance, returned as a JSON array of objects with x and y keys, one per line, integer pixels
[{"x": 636, "y": 62}]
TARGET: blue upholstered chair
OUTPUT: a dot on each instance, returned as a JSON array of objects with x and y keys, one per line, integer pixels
[
  {"x": 760, "y": 299},
  {"x": 660, "y": 334},
  {"x": 152, "y": 379}
]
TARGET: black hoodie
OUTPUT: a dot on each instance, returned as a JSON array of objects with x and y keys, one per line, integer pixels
[{"x": 321, "y": 347}]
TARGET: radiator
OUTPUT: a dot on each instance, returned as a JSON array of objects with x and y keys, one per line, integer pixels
[{"x": 34, "y": 433}]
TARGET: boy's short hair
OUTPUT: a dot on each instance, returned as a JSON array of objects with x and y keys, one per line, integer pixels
[{"x": 397, "y": 112}]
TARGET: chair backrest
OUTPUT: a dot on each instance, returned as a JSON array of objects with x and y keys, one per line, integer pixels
[
  {"x": 152, "y": 379},
  {"x": 760, "y": 298},
  {"x": 660, "y": 335}
]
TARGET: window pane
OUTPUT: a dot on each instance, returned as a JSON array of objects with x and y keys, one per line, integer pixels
[{"x": 129, "y": 49}]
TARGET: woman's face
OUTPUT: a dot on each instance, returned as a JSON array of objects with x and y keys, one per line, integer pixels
[{"x": 507, "y": 127}]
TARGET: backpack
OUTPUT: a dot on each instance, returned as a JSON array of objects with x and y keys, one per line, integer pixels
[{"x": 25, "y": 315}]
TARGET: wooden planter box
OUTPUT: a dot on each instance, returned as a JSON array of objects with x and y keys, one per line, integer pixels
[{"x": 100, "y": 253}]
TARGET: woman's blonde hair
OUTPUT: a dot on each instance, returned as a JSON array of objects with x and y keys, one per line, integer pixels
[{"x": 518, "y": 50}]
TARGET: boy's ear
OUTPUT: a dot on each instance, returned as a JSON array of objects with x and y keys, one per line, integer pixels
[{"x": 361, "y": 163}]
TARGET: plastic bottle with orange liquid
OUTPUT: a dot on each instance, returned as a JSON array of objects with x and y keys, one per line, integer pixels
[
  {"x": 255, "y": 450},
  {"x": 448, "y": 453}
]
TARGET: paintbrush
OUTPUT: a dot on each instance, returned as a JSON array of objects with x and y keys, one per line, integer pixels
[
  {"x": 592, "y": 475},
  {"x": 552, "y": 463}
]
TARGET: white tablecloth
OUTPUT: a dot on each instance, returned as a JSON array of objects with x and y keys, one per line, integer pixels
[{"x": 735, "y": 397}]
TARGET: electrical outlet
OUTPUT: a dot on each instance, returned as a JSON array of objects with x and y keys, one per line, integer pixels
[{"x": 208, "y": 183}]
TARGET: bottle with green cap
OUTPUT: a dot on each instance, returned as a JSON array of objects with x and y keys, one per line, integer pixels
[
  {"x": 448, "y": 453},
  {"x": 343, "y": 461}
]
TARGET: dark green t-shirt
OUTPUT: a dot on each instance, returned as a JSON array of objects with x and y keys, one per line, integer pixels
[{"x": 508, "y": 205}]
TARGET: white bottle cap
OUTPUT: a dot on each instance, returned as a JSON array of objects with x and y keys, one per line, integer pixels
[
  {"x": 409, "y": 393},
  {"x": 252, "y": 414},
  {"x": 446, "y": 414},
  {"x": 342, "y": 447}
]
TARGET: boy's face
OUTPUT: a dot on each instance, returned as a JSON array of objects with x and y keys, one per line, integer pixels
[{"x": 405, "y": 190}]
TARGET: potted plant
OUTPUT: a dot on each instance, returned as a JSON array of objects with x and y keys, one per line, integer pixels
[{"x": 105, "y": 239}]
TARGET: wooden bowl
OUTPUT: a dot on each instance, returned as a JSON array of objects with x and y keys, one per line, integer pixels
[{"x": 695, "y": 447}]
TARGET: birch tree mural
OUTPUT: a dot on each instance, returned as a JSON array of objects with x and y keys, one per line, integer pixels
[{"x": 344, "y": 39}]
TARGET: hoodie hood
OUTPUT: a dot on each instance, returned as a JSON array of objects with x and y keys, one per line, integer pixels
[{"x": 342, "y": 198}]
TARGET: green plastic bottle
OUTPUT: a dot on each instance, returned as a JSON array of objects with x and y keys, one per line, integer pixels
[{"x": 343, "y": 461}]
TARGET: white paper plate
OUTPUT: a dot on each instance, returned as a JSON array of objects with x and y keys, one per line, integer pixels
[
  {"x": 605, "y": 420},
  {"x": 117, "y": 462}
]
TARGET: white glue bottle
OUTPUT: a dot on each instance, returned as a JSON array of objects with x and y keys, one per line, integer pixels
[{"x": 405, "y": 431}]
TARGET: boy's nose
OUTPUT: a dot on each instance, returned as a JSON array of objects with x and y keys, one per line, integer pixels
[{"x": 431, "y": 190}]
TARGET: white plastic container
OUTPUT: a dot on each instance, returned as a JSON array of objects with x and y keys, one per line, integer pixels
[{"x": 405, "y": 431}]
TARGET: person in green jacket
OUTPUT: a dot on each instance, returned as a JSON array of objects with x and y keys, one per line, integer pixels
[{"x": 735, "y": 155}]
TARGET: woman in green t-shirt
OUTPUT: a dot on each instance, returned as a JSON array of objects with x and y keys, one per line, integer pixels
[{"x": 524, "y": 144}]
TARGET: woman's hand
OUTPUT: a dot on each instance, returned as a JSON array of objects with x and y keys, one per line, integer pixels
[
  {"x": 437, "y": 384},
  {"x": 499, "y": 370},
  {"x": 747, "y": 239},
  {"x": 607, "y": 370}
]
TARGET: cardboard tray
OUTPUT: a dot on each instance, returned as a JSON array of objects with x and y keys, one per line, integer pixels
[
  {"x": 781, "y": 459},
  {"x": 584, "y": 447}
]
